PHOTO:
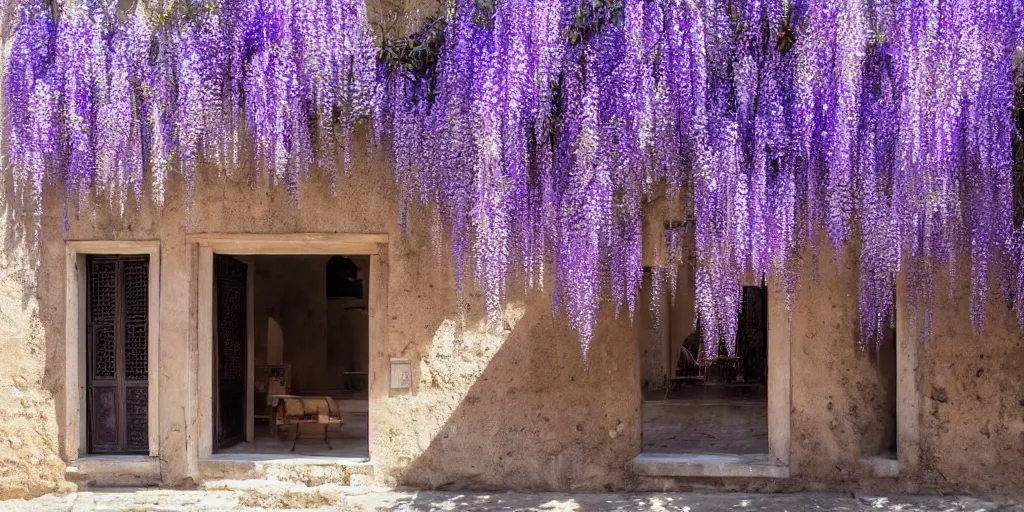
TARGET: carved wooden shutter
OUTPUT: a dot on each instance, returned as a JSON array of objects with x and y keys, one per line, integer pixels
[
  {"x": 230, "y": 278},
  {"x": 117, "y": 351}
]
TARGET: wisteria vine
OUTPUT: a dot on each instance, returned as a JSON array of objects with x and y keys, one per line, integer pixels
[{"x": 538, "y": 129}]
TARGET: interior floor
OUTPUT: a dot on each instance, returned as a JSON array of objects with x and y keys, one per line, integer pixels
[
  {"x": 348, "y": 441},
  {"x": 706, "y": 419}
]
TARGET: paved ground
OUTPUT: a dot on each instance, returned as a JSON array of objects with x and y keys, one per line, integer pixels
[{"x": 335, "y": 498}]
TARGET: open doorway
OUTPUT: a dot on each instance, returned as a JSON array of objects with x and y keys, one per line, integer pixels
[
  {"x": 710, "y": 403},
  {"x": 879, "y": 439},
  {"x": 291, "y": 355}
]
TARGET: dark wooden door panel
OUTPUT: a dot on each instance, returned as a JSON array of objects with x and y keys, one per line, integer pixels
[
  {"x": 136, "y": 417},
  {"x": 117, "y": 354},
  {"x": 231, "y": 282},
  {"x": 104, "y": 426}
]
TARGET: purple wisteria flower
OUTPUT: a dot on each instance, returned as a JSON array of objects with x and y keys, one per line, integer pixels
[{"x": 882, "y": 130}]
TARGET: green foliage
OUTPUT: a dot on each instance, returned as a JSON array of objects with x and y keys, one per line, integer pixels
[
  {"x": 416, "y": 53},
  {"x": 592, "y": 16},
  {"x": 483, "y": 14},
  {"x": 786, "y": 37}
]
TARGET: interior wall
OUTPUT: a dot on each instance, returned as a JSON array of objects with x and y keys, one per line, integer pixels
[
  {"x": 659, "y": 348},
  {"x": 292, "y": 290},
  {"x": 320, "y": 338},
  {"x": 654, "y": 371},
  {"x": 881, "y": 438},
  {"x": 348, "y": 323},
  {"x": 682, "y": 318},
  {"x": 275, "y": 342}
]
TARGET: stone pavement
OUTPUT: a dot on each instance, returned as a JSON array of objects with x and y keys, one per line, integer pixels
[{"x": 270, "y": 496}]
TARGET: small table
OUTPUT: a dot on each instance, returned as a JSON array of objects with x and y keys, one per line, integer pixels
[{"x": 296, "y": 410}]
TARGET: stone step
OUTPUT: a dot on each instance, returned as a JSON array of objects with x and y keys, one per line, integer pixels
[{"x": 308, "y": 471}]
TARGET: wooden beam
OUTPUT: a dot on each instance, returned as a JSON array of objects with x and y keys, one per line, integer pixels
[{"x": 296, "y": 244}]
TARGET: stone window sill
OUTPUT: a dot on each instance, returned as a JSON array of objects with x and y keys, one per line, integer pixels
[{"x": 707, "y": 465}]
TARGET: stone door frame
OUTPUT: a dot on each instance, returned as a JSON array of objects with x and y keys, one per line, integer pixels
[
  {"x": 309, "y": 244},
  {"x": 75, "y": 368}
]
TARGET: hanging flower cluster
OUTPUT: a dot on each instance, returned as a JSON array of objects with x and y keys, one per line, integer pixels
[
  {"x": 97, "y": 97},
  {"x": 537, "y": 129},
  {"x": 885, "y": 123}
]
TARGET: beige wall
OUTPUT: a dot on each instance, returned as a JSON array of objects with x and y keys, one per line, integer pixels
[{"x": 513, "y": 408}]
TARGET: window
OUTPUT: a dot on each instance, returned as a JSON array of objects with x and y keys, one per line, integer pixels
[{"x": 117, "y": 354}]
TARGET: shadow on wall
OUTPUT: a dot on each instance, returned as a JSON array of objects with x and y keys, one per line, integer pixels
[
  {"x": 514, "y": 408},
  {"x": 32, "y": 344}
]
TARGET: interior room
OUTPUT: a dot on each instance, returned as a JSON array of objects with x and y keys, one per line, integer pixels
[
  {"x": 306, "y": 377},
  {"x": 697, "y": 402},
  {"x": 880, "y": 439}
]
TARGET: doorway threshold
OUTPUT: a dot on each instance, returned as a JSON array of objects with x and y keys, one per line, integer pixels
[
  {"x": 311, "y": 470},
  {"x": 880, "y": 466},
  {"x": 285, "y": 459},
  {"x": 715, "y": 465}
]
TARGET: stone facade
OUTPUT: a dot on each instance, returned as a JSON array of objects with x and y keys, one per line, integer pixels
[{"x": 514, "y": 408}]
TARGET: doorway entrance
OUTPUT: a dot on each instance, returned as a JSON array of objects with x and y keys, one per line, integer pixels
[
  {"x": 297, "y": 384},
  {"x": 285, "y": 328},
  {"x": 714, "y": 403}
]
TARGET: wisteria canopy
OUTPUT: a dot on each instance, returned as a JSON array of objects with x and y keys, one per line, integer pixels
[{"x": 537, "y": 130}]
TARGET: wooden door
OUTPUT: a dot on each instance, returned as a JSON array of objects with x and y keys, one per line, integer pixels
[
  {"x": 230, "y": 357},
  {"x": 117, "y": 354}
]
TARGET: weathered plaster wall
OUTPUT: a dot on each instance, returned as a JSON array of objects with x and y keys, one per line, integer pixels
[
  {"x": 838, "y": 393},
  {"x": 512, "y": 407},
  {"x": 972, "y": 397},
  {"x": 30, "y": 375},
  {"x": 526, "y": 382}
]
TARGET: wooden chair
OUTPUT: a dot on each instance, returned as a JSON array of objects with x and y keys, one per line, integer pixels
[{"x": 299, "y": 410}]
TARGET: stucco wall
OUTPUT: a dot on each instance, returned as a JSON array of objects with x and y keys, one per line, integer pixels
[
  {"x": 513, "y": 408},
  {"x": 29, "y": 375},
  {"x": 838, "y": 393},
  {"x": 972, "y": 403}
]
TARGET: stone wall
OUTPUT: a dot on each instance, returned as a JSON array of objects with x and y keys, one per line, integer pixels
[{"x": 515, "y": 407}]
